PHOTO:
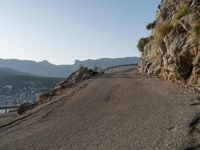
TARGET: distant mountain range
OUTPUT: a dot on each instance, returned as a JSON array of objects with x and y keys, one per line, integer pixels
[
  {"x": 7, "y": 72},
  {"x": 45, "y": 68}
]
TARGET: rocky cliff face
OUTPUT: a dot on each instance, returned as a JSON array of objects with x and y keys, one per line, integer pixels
[{"x": 173, "y": 49}]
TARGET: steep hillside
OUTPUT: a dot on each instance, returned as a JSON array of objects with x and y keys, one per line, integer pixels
[
  {"x": 173, "y": 49},
  {"x": 7, "y": 72}
]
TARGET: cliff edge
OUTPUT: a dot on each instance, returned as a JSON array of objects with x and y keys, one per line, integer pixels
[{"x": 173, "y": 49}]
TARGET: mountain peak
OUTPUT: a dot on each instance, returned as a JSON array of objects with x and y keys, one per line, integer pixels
[{"x": 45, "y": 62}]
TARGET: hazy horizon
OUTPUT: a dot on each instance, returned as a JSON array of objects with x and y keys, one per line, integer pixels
[
  {"x": 65, "y": 30},
  {"x": 68, "y": 63}
]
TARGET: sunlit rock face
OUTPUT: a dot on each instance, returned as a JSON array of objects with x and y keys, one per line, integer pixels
[{"x": 173, "y": 50}]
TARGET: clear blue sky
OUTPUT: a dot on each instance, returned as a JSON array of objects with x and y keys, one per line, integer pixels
[{"x": 61, "y": 31}]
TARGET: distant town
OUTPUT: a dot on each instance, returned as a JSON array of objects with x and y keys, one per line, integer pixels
[{"x": 21, "y": 89}]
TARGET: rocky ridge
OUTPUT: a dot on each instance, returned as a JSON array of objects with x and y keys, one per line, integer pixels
[
  {"x": 81, "y": 74},
  {"x": 173, "y": 49}
]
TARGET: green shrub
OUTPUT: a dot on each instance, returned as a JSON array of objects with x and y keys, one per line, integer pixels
[
  {"x": 24, "y": 107},
  {"x": 94, "y": 71},
  {"x": 181, "y": 12},
  {"x": 161, "y": 31},
  {"x": 141, "y": 43},
  {"x": 83, "y": 68},
  {"x": 151, "y": 26}
]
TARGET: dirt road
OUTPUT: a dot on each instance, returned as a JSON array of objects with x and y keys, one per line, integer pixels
[{"x": 120, "y": 110}]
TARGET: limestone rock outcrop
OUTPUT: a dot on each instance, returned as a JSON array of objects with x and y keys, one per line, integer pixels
[
  {"x": 173, "y": 50},
  {"x": 81, "y": 74}
]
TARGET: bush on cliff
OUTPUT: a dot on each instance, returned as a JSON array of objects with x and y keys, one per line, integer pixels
[
  {"x": 141, "y": 43},
  {"x": 151, "y": 26}
]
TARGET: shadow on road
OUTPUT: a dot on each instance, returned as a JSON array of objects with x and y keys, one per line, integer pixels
[{"x": 117, "y": 77}]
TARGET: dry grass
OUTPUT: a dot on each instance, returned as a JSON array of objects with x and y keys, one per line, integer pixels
[
  {"x": 196, "y": 30},
  {"x": 161, "y": 31},
  {"x": 181, "y": 12}
]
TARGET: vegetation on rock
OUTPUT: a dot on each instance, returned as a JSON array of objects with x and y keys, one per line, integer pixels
[
  {"x": 141, "y": 43},
  {"x": 196, "y": 30},
  {"x": 174, "y": 49},
  {"x": 151, "y": 26},
  {"x": 24, "y": 107},
  {"x": 181, "y": 12},
  {"x": 161, "y": 31}
]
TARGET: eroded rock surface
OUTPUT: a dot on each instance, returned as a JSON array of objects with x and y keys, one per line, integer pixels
[{"x": 176, "y": 55}]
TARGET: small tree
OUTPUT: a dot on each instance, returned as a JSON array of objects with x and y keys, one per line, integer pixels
[
  {"x": 141, "y": 43},
  {"x": 151, "y": 26}
]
